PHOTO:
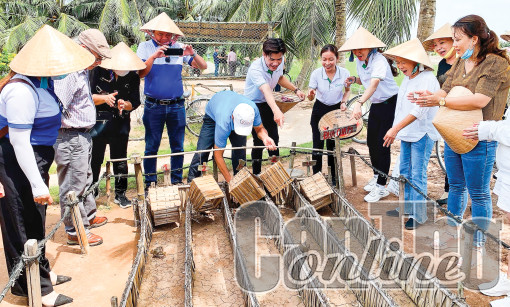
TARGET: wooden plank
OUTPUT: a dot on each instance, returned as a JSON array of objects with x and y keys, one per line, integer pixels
[
  {"x": 33, "y": 275},
  {"x": 78, "y": 224}
]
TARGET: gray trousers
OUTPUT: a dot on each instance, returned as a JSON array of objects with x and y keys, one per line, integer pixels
[{"x": 73, "y": 153}]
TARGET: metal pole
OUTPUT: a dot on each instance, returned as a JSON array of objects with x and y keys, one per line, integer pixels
[{"x": 33, "y": 275}]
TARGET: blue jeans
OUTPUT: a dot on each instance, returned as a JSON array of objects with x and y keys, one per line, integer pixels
[
  {"x": 206, "y": 141},
  {"x": 414, "y": 159},
  {"x": 154, "y": 118},
  {"x": 216, "y": 68},
  {"x": 471, "y": 172}
]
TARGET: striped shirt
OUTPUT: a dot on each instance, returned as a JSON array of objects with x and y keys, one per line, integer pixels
[{"x": 74, "y": 92}]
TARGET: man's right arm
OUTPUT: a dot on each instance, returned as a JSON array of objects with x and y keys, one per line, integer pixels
[{"x": 160, "y": 52}]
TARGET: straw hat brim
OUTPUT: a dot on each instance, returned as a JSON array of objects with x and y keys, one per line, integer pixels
[
  {"x": 50, "y": 53},
  {"x": 444, "y": 32},
  {"x": 162, "y": 23},
  {"x": 362, "y": 39},
  {"x": 411, "y": 50},
  {"x": 123, "y": 58},
  {"x": 451, "y": 123},
  {"x": 506, "y": 36}
]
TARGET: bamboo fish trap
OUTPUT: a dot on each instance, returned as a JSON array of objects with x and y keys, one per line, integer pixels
[
  {"x": 317, "y": 190},
  {"x": 245, "y": 187},
  {"x": 205, "y": 193},
  {"x": 164, "y": 203},
  {"x": 275, "y": 178}
]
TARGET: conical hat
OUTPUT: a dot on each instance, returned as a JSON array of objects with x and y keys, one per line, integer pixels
[
  {"x": 50, "y": 53},
  {"x": 506, "y": 36},
  {"x": 361, "y": 39},
  {"x": 411, "y": 50},
  {"x": 162, "y": 23},
  {"x": 444, "y": 32},
  {"x": 451, "y": 123},
  {"x": 123, "y": 58}
]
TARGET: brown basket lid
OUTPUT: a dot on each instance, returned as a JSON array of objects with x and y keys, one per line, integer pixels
[
  {"x": 340, "y": 124},
  {"x": 451, "y": 123}
]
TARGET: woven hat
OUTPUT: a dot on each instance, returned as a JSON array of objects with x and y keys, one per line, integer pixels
[
  {"x": 506, "y": 36},
  {"x": 451, "y": 123},
  {"x": 95, "y": 41},
  {"x": 411, "y": 50},
  {"x": 162, "y": 23},
  {"x": 444, "y": 32},
  {"x": 361, "y": 39},
  {"x": 50, "y": 53},
  {"x": 123, "y": 58}
]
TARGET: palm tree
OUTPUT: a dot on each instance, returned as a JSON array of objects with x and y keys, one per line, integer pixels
[
  {"x": 340, "y": 26},
  {"x": 426, "y": 19},
  {"x": 21, "y": 19}
]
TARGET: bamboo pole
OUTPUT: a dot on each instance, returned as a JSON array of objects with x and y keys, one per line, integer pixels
[
  {"x": 33, "y": 275},
  {"x": 81, "y": 233}
]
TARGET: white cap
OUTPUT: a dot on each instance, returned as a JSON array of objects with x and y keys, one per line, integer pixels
[{"x": 244, "y": 114}]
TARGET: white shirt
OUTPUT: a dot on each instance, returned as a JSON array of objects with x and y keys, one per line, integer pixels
[
  {"x": 329, "y": 92},
  {"x": 498, "y": 131},
  {"x": 425, "y": 80},
  {"x": 257, "y": 76},
  {"x": 378, "y": 68}
]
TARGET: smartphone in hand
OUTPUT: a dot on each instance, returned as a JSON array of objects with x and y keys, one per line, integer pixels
[{"x": 174, "y": 52}]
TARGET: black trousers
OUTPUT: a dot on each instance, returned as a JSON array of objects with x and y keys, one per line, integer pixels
[
  {"x": 318, "y": 111},
  {"x": 20, "y": 217},
  {"x": 380, "y": 120},
  {"x": 118, "y": 150},
  {"x": 272, "y": 130}
]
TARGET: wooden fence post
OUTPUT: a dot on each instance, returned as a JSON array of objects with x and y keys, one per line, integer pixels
[
  {"x": 108, "y": 182},
  {"x": 140, "y": 190},
  {"x": 81, "y": 233},
  {"x": 401, "y": 195},
  {"x": 339, "y": 168},
  {"x": 114, "y": 301},
  {"x": 33, "y": 275},
  {"x": 215, "y": 170},
  {"x": 292, "y": 155},
  {"x": 353, "y": 168}
]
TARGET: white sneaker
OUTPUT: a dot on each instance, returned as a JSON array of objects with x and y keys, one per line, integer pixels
[
  {"x": 496, "y": 288},
  {"x": 504, "y": 302},
  {"x": 371, "y": 184},
  {"x": 393, "y": 188},
  {"x": 376, "y": 194}
]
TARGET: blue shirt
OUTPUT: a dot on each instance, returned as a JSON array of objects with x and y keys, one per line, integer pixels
[
  {"x": 23, "y": 108},
  {"x": 257, "y": 76},
  {"x": 164, "y": 81},
  {"x": 220, "y": 109},
  {"x": 215, "y": 57}
]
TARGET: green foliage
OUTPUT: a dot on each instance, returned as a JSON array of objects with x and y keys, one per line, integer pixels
[{"x": 5, "y": 59}]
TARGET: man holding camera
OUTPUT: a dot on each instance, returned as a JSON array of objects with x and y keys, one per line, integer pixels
[
  {"x": 74, "y": 143},
  {"x": 164, "y": 103}
]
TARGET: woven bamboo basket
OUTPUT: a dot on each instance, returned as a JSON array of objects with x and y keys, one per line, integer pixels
[
  {"x": 317, "y": 190},
  {"x": 164, "y": 203},
  {"x": 275, "y": 178},
  {"x": 286, "y": 101},
  {"x": 205, "y": 194},
  {"x": 245, "y": 187}
]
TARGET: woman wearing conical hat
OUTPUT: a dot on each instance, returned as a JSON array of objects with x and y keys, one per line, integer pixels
[
  {"x": 30, "y": 114},
  {"x": 115, "y": 86},
  {"x": 482, "y": 68},
  {"x": 376, "y": 75},
  {"x": 413, "y": 126},
  {"x": 441, "y": 42}
]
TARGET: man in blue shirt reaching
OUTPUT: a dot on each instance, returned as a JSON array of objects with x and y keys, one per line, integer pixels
[
  {"x": 163, "y": 89},
  {"x": 232, "y": 116}
]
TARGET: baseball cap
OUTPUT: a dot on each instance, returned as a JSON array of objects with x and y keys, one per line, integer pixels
[
  {"x": 244, "y": 114},
  {"x": 95, "y": 41}
]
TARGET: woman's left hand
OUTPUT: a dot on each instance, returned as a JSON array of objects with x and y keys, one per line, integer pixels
[
  {"x": 471, "y": 133},
  {"x": 390, "y": 136},
  {"x": 343, "y": 106},
  {"x": 427, "y": 99}
]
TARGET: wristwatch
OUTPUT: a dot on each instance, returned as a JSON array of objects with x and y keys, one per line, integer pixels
[
  {"x": 442, "y": 102},
  {"x": 297, "y": 89}
]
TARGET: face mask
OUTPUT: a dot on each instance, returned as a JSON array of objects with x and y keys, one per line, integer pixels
[
  {"x": 121, "y": 73},
  {"x": 467, "y": 54},
  {"x": 59, "y": 77}
]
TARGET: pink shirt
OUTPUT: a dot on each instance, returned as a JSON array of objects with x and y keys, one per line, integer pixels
[{"x": 232, "y": 57}]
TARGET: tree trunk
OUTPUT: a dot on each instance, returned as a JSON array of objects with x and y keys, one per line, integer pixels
[
  {"x": 304, "y": 74},
  {"x": 426, "y": 19},
  {"x": 340, "y": 16}
]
